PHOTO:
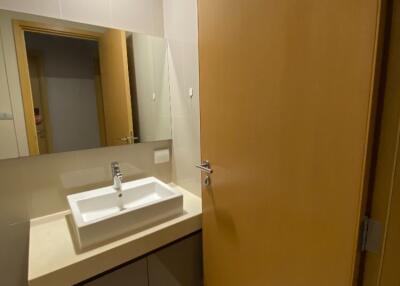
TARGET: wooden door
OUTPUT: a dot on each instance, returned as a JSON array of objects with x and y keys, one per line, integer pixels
[
  {"x": 115, "y": 87},
  {"x": 286, "y": 92}
]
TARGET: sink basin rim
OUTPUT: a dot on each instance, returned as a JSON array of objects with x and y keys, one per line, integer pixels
[{"x": 75, "y": 198}]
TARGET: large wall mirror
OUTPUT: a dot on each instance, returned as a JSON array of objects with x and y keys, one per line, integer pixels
[{"x": 84, "y": 86}]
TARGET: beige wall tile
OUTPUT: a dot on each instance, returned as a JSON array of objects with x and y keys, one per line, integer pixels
[
  {"x": 37, "y": 186},
  {"x": 14, "y": 244},
  {"x": 14, "y": 200}
]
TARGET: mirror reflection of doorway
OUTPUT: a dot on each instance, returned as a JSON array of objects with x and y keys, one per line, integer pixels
[
  {"x": 40, "y": 103},
  {"x": 76, "y": 93},
  {"x": 63, "y": 73}
]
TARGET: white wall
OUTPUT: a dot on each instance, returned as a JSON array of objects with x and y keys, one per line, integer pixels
[
  {"x": 145, "y": 16},
  {"x": 180, "y": 18},
  {"x": 13, "y": 92},
  {"x": 152, "y": 87},
  {"x": 8, "y": 142},
  {"x": 73, "y": 114}
]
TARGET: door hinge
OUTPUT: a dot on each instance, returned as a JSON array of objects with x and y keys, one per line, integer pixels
[{"x": 371, "y": 235}]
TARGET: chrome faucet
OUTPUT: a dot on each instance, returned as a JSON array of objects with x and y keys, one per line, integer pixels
[{"x": 117, "y": 178}]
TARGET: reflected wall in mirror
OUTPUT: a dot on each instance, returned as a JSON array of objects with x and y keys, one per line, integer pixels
[
  {"x": 85, "y": 86},
  {"x": 148, "y": 68}
]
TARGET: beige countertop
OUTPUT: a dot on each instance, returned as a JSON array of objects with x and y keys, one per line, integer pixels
[{"x": 54, "y": 261}]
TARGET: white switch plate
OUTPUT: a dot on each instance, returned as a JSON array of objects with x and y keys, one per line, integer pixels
[
  {"x": 191, "y": 92},
  {"x": 161, "y": 156}
]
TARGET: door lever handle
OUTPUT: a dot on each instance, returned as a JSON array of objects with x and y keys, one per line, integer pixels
[
  {"x": 128, "y": 139},
  {"x": 205, "y": 167}
]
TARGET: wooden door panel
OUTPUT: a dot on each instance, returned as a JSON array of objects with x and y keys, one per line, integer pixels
[
  {"x": 115, "y": 87},
  {"x": 285, "y": 107}
]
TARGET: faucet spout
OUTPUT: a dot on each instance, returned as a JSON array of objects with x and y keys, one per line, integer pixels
[{"x": 117, "y": 185}]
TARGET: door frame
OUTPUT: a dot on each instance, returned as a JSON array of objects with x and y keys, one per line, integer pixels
[
  {"x": 19, "y": 28},
  {"x": 385, "y": 165}
]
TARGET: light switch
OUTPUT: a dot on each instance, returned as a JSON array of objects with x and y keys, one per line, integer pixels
[
  {"x": 161, "y": 156},
  {"x": 191, "y": 92}
]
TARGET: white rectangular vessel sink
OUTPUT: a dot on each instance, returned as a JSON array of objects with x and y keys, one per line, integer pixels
[{"x": 98, "y": 217}]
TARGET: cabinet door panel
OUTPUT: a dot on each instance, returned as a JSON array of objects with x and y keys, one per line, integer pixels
[{"x": 132, "y": 274}]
